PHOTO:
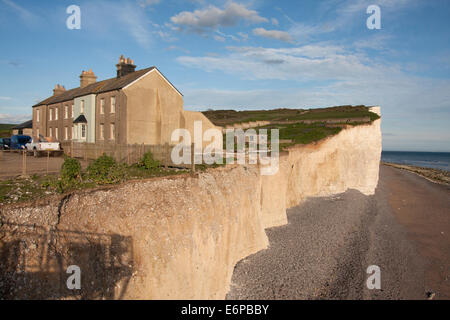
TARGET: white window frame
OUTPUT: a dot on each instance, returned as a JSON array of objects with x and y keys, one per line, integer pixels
[
  {"x": 83, "y": 132},
  {"x": 102, "y": 106},
  {"x": 56, "y": 133},
  {"x": 72, "y": 111},
  {"x": 112, "y": 131},
  {"x": 56, "y": 113},
  {"x": 38, "y": 115},
  {"x": 66, "y": 112},
  {"x": 66, "y": 133},
  {"x": 50, "y": 115},
  {"x": 102, "y": 131},
  {"x": 113, "y": 104}
]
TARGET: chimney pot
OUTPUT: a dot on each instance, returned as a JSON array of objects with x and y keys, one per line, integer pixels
[
  {"x": 58, "y": 89},
  {"x": 87, "y": 78},
  {"x": 125, "y": 66}
]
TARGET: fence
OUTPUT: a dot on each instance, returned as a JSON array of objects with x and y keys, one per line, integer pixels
[{"x": 125, "y": 153}]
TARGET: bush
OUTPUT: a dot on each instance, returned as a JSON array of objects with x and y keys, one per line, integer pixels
[
  {"x": 105, "y": 170},
  {"x": 148, "y": 162},
  {"x": 70, "y": 172}
]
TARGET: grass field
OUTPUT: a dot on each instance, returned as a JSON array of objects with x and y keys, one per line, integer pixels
[
  {"x": 229, "y": 117},
  {"x": 5, "y": 130}
]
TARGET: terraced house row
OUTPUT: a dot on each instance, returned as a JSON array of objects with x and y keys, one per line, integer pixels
[{"x": 137, "y": 106}]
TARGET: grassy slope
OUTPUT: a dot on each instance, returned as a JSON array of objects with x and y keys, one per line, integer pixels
[
  {"x": 298, "y": 133},
  {"x": 5, "y": 130}
]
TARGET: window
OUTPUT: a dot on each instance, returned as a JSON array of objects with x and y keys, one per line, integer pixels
[
  {"x": 51, "y": 132},
  {"x": 50, "y": 115},
  {"x": 66, "y": 112},
  {"x": 113, "y": 104},
  {"x": 83, "y": 131},
  {"x": 102, "y": 106},
  {"x": 82, "y": 106},
  {"x": 112, "y": 131},
  {"x": 56, "y": 113},
  {"x": 102, "y": 131},
  {"x": 74, "y": 136},
  {"x": 72, "y": 111},
  {"x": 66, "y": 133},
  {"x": 56, "y": 133},
  {"x": 38, "y": 114}
]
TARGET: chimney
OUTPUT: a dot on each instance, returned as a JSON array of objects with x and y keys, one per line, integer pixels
[
  {"x": 124, "y": 67},
  {"x": 86, "y": 78},
  {"x": 58, "y": 89}
]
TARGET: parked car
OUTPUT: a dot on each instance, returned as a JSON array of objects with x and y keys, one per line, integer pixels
[
  {"x": 41, "y": 146},
  {"x": 5, "y": 143},
  {"x": 18, "y": 142}
]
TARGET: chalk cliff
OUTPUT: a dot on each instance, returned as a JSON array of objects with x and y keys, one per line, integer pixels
[{"x": 178, "y": 237}]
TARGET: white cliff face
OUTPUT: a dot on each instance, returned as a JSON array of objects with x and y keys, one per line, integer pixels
[{"x": 188, "y": 233}]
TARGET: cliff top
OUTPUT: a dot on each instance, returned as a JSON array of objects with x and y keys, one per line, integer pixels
[{"x": 230, "y": 117}]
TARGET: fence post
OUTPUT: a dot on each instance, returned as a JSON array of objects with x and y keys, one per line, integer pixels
[
  {"x": 48, "y": 158},
  {"x": 193, "y": 158},
  {"x": 166, "y": 155},
  {"x": 128, "y": 154},
  {"x": 24, "y": 163}
]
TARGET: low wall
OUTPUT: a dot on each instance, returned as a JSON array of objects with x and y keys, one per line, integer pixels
[{"x": 179, "y": 237}]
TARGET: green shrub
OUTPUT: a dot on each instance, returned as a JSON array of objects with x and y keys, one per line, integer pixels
[
  {"x": 70, "y": 171},
  {"x": 105, "y": 170},
  {"x": 148, "y": 162}
]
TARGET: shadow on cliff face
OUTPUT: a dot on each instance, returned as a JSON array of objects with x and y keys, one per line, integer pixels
[{"x": 34, "y": 262}]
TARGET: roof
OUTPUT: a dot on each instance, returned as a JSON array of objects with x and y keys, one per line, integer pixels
[
  {"x": 26, "y": 125},
  {"x": 99, "y": 87},
  {"x": 80, "y": 119}
]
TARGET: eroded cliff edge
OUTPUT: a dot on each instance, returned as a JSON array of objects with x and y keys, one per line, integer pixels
[{"x": 179, "y": 237}]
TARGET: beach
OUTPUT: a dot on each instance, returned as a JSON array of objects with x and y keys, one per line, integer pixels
[{"x": 328, "y": 244}]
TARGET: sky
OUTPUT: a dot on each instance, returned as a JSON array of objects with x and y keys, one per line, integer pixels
[{"x": 255, "y": 54}]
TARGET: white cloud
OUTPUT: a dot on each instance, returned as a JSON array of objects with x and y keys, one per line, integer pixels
[
  {"x": 274, "y": 21},
  {"x": 212, "y": 17},
  {"x": 14, "y": 118},
  {"x": 273, "y": 34}
]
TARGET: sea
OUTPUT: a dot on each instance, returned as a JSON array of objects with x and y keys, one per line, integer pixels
[{"x": 435, "y": 160}]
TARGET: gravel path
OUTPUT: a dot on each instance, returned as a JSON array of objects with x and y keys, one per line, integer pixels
[{"x": 325, "y": 249}]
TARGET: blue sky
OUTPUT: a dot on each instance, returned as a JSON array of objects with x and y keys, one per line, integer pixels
[{"x": 241, "y": 54}]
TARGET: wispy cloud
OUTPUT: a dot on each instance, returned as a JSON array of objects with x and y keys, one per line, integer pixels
[
  {"x": 24, "y": 14},
  {"x": 5, "y": 98},
  {"x": 273, "y": 34},
  {"x": 147, "y": 3},
  {"x": 103, "y": 16}
]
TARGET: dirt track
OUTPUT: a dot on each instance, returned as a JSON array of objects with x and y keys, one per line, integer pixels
[{"x": 328, "y": 244}]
